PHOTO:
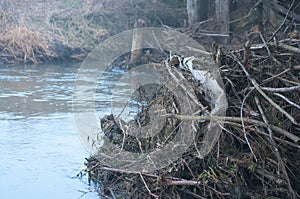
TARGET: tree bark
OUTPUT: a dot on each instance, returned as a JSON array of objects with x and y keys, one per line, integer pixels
[
  {"x": 137, "y": 39},
  {"x": 197, "y": 10},
  {"x": 223, "y": 17},
  {"x": 272, "y": 14}
]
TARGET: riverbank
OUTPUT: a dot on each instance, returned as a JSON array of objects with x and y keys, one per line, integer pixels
[
  {"x": 22, "y": 45},
  {"x": 43, "y": 32},
  {"x": 47, "y": 31}
]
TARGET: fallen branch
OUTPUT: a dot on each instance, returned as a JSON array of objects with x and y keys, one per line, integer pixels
[
  {"x": 287, "y": 100},
  {"x": 237, "y": 119},
  {"x": 262, "y": 133},
  {"x": 255, "y": 84},
  {"x": 286, "y": 89},
  {"x": 285, "y": 46},
  {"x": 277, "y": 75},
  {"x": 149, "y": 191},
  {"x": 183, "y": 182},
  {"x": 281, "y": 9}
]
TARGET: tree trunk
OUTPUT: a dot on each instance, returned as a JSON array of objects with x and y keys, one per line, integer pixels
[
  {"x": 272, "y": 14},
  {"x": 197, "y": 10},
  {"x": 137, "y": 39},
  {"x": 223, "y": 17}
]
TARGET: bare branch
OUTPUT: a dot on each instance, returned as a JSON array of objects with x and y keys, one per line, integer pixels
[
  {"x": 286, "y": 89},
  {"x": 255, "y": 84},
  {"x": 287, "y": 100},
  {"x": 237, "y": 119},
  {"x": 285, "y": 46}
]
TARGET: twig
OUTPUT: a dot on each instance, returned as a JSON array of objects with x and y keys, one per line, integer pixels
[
  {"x": 271, "y": 140},
  {"x": 213, "y": 34},
  {"x": 288, "y": 81},
  {"x": 269, "y": 176},
  {"x": 285, "y": 46},
  {"x": 188, "y": 167},
  {"x": 112, "y": 193},
  {"x": 260, "y": 132},
  {"x": 266, "y": 46},
  {"x": 248, "y": 14},
  {"x": 231, "y": 133},
  {"x": 263, "y": 40},
  {"x": 283, "y": 22},
  {"x": 244, "y": 130},
  {"x": 287, "y": 100},
  {"x": 274, "y": 146},
  {"x": 286, "y": 89},
  {"x": 183, "y": 182},
  {"x": 263, "y": 116},
  {"x": 237, "y": 119},
  {"x": 274, "y": 76},
  {"x": 296, "y": 67},
  {"x": 149, "y": 191},
  {"x": 246, "y": 53},
  {"x": 201, "y": 52},
  {"x": 255, "y": 84}
]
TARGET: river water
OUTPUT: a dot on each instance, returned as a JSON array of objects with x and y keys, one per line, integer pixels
[{"x": 40, "y": 149}]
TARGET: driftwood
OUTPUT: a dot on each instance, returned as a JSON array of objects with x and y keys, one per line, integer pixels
[
  {"x": 128, "y": 137},
  {"x": 257, "y": 153},
  {"x": 260, "y": 131}
]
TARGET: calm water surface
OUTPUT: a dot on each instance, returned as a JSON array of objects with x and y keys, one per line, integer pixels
[{"x": 40, "y": 148}]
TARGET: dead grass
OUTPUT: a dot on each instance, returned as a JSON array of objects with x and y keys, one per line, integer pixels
[{"x": 18, "y": 44}]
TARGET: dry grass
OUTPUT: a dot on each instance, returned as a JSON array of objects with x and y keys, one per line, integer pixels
[{"x": 19, "y": 44}]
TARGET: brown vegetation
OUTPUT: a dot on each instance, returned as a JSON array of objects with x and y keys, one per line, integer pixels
[{"x": 20, "y": 45}]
